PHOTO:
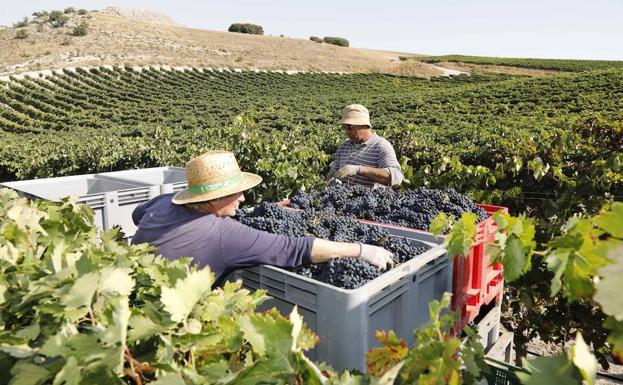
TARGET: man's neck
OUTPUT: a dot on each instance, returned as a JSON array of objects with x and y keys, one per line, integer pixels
[{"x": 365, "y": 137}]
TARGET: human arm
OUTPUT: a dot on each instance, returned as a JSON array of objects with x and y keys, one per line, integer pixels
[
  {"x": 324, "y": 251},
  {"x": 373, "y": 174},
  {"x": 389, "y": 163},
  {"x": 243, "y": 246}
]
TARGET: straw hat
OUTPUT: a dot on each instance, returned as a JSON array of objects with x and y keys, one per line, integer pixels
[
  {"x": 212, "y": 175},
  {"x": 355, "y": 114}
]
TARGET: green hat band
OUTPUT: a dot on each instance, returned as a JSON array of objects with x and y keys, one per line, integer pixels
[{"x": 215, "y": 186}]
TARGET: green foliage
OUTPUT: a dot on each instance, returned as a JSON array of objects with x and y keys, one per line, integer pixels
[
  {"x": 38, "y": 14},
  {"x": 80, "y": 29},
  {"x": 557, "y": 369},
  {"x": 460, "y": 238},
  {"x": 436, "y": 358},
  {"x": 22, "y": 23},
  {"x": 69, "y": 10},
  {"x": 575, "y": 256},
  {"x": 21, "y": 34},
  {"x": 339, "y": 41},
  {"x": 78, "y": 309},
  {"x": 545, "y": 64},
  {"x": 316, "y": 39},
  {"x": 514, "y": 244},
  {"x": 82, "y": 11},
  {"x": 253, "y": 29},
  {"x": 57, "y": 19}
]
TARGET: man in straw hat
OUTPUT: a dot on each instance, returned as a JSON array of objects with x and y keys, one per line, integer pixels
[
  {"x": 196, "y": 222},
  {"x": 364, "y": 158}
]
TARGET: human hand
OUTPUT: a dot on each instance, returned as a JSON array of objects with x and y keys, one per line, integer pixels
[
  {"x": 347, "y": 170},
  {"x": 376, "y": 256}
]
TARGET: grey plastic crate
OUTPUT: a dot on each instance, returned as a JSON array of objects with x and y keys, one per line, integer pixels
[
  {"x": 346, "y": 320},
  {"x": 170, "y": 179},
  {"x": 112, "y": 200}
]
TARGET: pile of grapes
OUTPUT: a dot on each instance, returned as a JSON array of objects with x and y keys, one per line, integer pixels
[
  {"x": 414, "y": 208},
  {"x": 347, "y": 273}
]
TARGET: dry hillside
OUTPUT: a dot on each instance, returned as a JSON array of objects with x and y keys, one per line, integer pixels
[{"x": 139, "y": 38}]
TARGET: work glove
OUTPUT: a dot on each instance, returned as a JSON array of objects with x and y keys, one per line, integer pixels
[
  {"x": 348, "y": 170},
  {"x": 376, "y": 256}
]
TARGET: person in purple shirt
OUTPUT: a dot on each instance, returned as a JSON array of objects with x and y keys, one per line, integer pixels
[{"x": 196, "y": 223}]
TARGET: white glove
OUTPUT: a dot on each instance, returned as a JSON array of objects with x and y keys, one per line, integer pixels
[
  {"x": 376, "y": 256},
  {"x": 348, "y": 170}
]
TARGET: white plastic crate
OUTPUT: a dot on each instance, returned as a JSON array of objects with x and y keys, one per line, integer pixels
[
  {"x": 346, "y": 320},
  {"x": 112, "y": 200},
  {"x": 170, "y": 179}
]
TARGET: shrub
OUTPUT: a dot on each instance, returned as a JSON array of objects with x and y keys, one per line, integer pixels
[
  {"x": 81, "y": 29},
  {"x": 57, "y": 19},
  {"x": 22, "y": 23},
  {"x": 336, "y": 40},
  {"x": 403, "y": 58},
  {"x": 39, "y": 27},
  {"x": 316, "y": 39},
  {"x": 21, "y": 34},
  {"x": 40, "y": 13},
  {"x": 82, "y": 11},
  {"x": 253, "y": 29},
  {"x": 70, "y": 10}
]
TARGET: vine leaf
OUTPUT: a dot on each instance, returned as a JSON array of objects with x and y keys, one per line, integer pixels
[
  {"x": 610, "y": 221},
  {"x": 550, "y": 370},
  {"x": 615, "y": 337},
  {"x": 608, "y": 289},
  {"x": 69, "y": 374},
  {"x": 459, "y": 240},
  {"x": 583, "y": 359},
  {"x": 394, "y": 350},
  {"x": 180, "y": 300},
  {"x": 514, "y": 244}
]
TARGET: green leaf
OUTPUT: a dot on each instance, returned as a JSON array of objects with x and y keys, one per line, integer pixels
[
  {"x": 608, "y": 289},
  {"x": 29, "y": 332},
  {"x": 270, "y": 335},
  {"x": 143, "y": 327},
  {"x": 611, "y": 221},
  {"x": 459, "y": 240},
  {"x": 82, "y": 291},
  {"x": 169, "y": 379},
  {"x": 556, "y": 369},
  {"x": 389, "y": 378},
  {"x": 615, "y": 337},
  {"x": 515, "y": 260},
  {"x": 116, "y": 281},
  {"x": 17, "y": 351},
  {"x": 25, "y": 373},
  {"x": 439, "y": 224},
  {"x": 180, "y": 300},
  {"x": 69, "y": 374},
  {"x": 583, "y": 359}
]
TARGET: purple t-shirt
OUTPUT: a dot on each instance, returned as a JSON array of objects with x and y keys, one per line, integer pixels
[{"x": 222, "y": 243}]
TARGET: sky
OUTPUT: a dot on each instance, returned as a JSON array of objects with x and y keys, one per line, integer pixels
[{"x": 507, "y": 28}]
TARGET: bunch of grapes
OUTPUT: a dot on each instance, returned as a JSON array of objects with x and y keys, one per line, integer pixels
[
  {"x": 414, "y": 208},
  {"x": 347, "y": 273}
]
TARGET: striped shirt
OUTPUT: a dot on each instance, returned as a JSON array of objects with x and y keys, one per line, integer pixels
[{"x": 375, "y": 152}]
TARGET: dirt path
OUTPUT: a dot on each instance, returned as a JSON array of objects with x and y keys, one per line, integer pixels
[{"x": 449, "y": 72}]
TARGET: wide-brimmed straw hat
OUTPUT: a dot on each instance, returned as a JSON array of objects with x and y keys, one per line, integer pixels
[
  {"x": 212, "y": 175},
  {"x": 355, "y": 114}
]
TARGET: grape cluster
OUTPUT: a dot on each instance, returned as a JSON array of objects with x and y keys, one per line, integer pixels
[
  {"x": 348, "y": 273},
  {"x": 414, "y": 208}
]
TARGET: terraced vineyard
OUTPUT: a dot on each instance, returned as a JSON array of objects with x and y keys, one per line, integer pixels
[
  {"x": 569, "y": 65},
  {"x": 500, "y": 130}
]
